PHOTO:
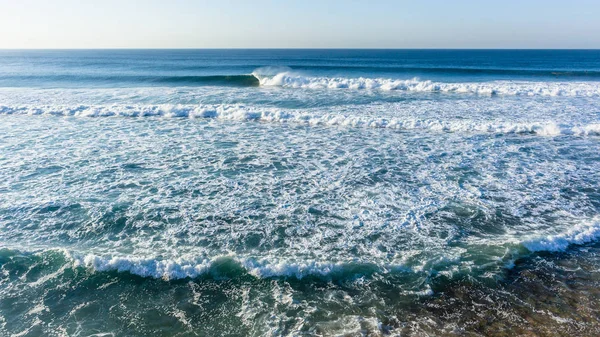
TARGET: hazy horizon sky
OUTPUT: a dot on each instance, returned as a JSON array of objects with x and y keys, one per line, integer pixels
[{"x": 299, "y": 24}]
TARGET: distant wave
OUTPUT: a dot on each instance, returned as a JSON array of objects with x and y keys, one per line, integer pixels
[
  {"x": 273, "y": 115},
  {"x": 288, "y": 78},
  {"x": 292, "y": 80},
  {"x": 549, "y": 73}
]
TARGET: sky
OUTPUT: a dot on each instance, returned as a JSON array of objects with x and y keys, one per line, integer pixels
[{"x": 299, "y": 24}]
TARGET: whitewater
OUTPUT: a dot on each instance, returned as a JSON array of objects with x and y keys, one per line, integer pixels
[{"x": 299, "y": 192}]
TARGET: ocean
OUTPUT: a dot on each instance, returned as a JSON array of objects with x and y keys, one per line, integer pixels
[{"x": 299, "y": 192}]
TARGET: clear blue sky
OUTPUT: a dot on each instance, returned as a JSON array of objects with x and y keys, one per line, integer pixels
[{"x": 299, "y": 24}]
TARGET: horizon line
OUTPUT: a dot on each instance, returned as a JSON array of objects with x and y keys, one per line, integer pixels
[{"x": 294, "y": 48}]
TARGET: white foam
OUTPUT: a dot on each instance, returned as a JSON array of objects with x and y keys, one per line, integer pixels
[
  {"x": 264, "y": 268},
  {"x": 190, "y": 267},
  {"x": 308, "y": 117},
  {"x": 523, "y": 88},
  {"x": 579, "y": 234},
  {"x": 146, "y": 267},
  {"x": 587, "y": 130}
]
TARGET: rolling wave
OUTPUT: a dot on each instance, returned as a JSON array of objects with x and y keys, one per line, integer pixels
[
  {"x": 579, "y": 234},
  {"x": 287, "y": 78},
  {"x": 310, "y": 118},
  {"x": 573, "y": 89},
  {"x": 193, "y": 267}
]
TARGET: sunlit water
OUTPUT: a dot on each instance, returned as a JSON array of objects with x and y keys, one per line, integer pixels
[{"x": 183, "y": 193}]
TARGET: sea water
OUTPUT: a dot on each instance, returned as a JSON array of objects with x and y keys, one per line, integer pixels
[{"x": 299, "y": 192}]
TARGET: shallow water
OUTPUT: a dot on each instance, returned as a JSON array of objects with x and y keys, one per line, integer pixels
[{"x": 299, "y": 192}]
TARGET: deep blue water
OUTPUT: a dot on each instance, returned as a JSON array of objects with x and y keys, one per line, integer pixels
[
  {"x": 299, "y": 192},
  {"x": 108, "y": 68}
]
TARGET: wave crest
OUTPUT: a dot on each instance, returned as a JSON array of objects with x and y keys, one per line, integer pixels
[
  {"x": 577, "y": 235},
  {"x": 179, "y": 268},
  {"x": 289, "y": 79},
  {"x": 270, "y": 266}
]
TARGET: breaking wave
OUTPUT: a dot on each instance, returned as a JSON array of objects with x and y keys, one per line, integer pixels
[
  {"x": 579, "y": 234},
  {"x": 195, "y": 267},
  {"x": 269, "y": 267},
  {"x": 291, "y": 80},
  {"x": 285, "y": 77},
  {"x": 273, "y": 115}
]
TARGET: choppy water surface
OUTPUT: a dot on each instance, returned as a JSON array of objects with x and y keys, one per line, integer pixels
[{"x": 287, "y": 193}]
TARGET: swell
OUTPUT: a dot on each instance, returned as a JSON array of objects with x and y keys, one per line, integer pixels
[
  {"x": 309, "y": 118},
  {"x": 190, "y": 80},
  {"x": 231, "y": 80}
]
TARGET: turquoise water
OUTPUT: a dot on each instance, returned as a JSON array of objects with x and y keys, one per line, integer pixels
[{"x": 299, "y": 192}]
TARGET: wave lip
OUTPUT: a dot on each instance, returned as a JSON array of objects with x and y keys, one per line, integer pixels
[{"x": 291, "y": 80}]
